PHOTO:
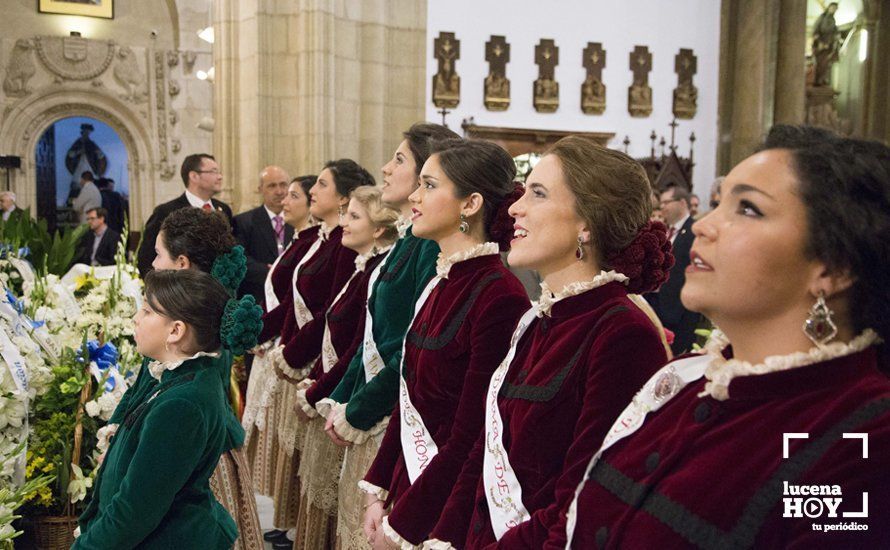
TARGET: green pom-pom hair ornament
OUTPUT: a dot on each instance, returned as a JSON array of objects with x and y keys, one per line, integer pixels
[
  {"x": 241, "y": 324},
  {"x": 230, "y": 268}
]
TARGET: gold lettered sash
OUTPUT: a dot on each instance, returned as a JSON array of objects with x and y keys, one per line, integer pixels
[
  {"x": 371, "y": 359},
  {"x": 301, "y": 310},
  {"x": 418, "y": 446},
  {"x": 271, "y": 299},
  {"x": 502, "y": 488},
  {"x": 661, "y": 388}
]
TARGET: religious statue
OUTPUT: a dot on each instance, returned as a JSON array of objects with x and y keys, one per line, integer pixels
[
  {"x": 446, "y": 83},
  {"x": 593, "y": 91},
  {"x": 685, "y": 94},
  {"x": 497, "y": 85},
  {"x": 826, "y": 44},
  {"x": 639, "y": 95},
  {"x": 84, "y": 155},
  {"x": 546, "y": 88}
]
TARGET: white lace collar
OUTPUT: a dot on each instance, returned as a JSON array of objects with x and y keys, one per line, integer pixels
[
  {"x": 402, "y": 225},
  {"x": 443, "y": 265},
  {"x": 157, "y": 368},
  {"x": 362, "y": 259},
  {"x": 548, "y": 297},
  {"x": 324, "y": 231},
  {"x": 721, "y": 371}
]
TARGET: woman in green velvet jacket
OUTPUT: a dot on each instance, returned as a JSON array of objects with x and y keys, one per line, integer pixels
[{"x": 153, "y": 488}]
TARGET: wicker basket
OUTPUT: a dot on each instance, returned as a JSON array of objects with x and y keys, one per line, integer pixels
[{"x": 52, "y": 532}]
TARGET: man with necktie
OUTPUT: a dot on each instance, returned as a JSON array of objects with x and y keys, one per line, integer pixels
[
  {"x": 674, "y": 205},
  {"x": 262, "y": 231},
  {"x": 202, "y": 180}
]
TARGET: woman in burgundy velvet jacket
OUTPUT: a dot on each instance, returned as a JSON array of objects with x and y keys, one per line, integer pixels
[
  {"x": 319, "y": 276},
  {"x": 261, "y": 440},
  {"x": 735, "y": 448},
  {"x": 460, "y": 331},
  {"x": 369, "y": 229},
  {"x": 576, "y": 358}
]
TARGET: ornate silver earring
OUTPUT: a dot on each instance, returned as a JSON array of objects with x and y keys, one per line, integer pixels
[
  {"x": 819, "y": 327},
  {"x": 464, "y": 227},
  {"x": 340, "y": 210},
  {"x": 579, "y": 253}
]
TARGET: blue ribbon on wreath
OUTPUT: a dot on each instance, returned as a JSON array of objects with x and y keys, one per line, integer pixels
[{"x": 105, "y": 357}]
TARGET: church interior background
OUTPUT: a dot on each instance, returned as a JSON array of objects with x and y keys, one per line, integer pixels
[{"x": 296, "y": 83}]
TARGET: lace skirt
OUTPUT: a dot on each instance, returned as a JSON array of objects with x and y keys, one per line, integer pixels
[
  {"x": 319, "y": 474},
  {"x": 350, "y": 499},
  {"x": 232, "y": 487}
]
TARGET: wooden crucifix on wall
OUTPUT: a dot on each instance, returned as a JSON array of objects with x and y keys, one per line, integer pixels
[
  {"x": 446, "y": 83},
  {"x": 497, "y": 86},
  {"x": 546, "y": 89},
  {"x": 685, "y": 94},
  {"x": 593, "y": 91},
  {"x": 639, "y": 95}
]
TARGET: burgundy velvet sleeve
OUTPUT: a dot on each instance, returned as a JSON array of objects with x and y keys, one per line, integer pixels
[
  {"x": 325, "y": 382},
  {"x": 305, "y": 342},
  {"x": 621, "y": 359},
  {"x": 417, "y": 510},
  {"x": 454, "y": 522},
  {"x": 273, "y": 320},
  {"x": 380, "y": 472}
]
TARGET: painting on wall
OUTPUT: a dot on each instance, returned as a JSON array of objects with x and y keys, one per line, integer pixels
[{"x": 88, "y": 8}]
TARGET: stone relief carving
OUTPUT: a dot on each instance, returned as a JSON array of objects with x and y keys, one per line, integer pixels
[
  {"x": 174, "y": 88},
  {"x": 188, "y": 59},
  {"x": 172, "y": 59},
  {"x": 73, "y": 57},
  {"x": 128, "y": 74},
  {"x": 546, "y": 88},
  {"x": 176, "y": 145},
  {"x": 593, "y": 91},
  {"x": 20, "y": 69},
  {"x": 166, "y": 170},
  {"x": 639, "y": 94}
]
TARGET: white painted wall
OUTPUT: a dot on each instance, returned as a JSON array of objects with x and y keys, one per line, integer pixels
[{"x": 663, "y": 26}]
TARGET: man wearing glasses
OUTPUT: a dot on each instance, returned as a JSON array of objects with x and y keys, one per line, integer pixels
[
  {"x": 202, "y": 180},
  {"x": 674, "y": 204}
]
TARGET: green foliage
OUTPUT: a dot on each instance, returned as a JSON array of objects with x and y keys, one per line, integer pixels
[{"x": 47, "y": 253}]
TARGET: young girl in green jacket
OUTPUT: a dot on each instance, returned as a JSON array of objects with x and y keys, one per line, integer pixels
[{"x": 153, "y": 487}]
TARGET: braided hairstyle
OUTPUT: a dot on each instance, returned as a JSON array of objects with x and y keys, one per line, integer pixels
[
  {"x": 215, "y": 320},
  {"x": 198, "y": 235},
  {"x": 613, "y": 196}
]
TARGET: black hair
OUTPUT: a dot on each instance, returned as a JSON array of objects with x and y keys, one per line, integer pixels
[
  {"x": 348, "y": 175},
  {"x": 199, "y": 235},
  {"x": 306, "y": 182},
  {"x": 420, "y": 136},
  {"x": 844, "y": 184},
  {"x": 478, "y": 166},
  {"x": 193, "y": 297},
  {"x": 192, "y": 163},
  {"x": 86, "y": 175},
  {"x": 680, "y": 193}
]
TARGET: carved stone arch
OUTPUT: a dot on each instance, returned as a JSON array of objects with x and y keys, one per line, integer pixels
[{"x": 24, "y": 124}]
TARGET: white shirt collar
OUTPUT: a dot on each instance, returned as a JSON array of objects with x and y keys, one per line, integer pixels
[
  {"x": 679, "y": 225},
  {"x": 197, "y": 201},
  {"x": 157, "y": 368},
  {"x": 272, "y": 215}
]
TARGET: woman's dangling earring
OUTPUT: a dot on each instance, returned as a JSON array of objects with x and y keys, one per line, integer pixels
[
  {"x": 579, "y": 253},
  {"x": 167, "y": 346},
  {"x": 819, "y": 327},
  {"x": 464, "y": 227},
  {"x": 340, "y": 211}
]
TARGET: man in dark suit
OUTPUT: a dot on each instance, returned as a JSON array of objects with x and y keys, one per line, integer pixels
[
  {"x": 8, "y": 207},
  {"x": 262, "y": 231},
  {"x": 113, "y": 202},
  {"x": 674, "y": 203},
  {"x": 202, "y": 179},
  {"x": 100, "y": 243}
]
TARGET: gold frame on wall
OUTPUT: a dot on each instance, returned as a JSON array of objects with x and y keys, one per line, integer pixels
[{"x": 105, "y": 8}]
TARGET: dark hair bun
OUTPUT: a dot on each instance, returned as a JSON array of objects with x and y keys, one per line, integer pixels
[
  {"x": 241, "y": 324},
  {"x": 501, "y": 230},
  {"x": 647, "y": 260}
]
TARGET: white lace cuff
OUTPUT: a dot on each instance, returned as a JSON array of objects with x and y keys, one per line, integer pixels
[
  {"x": 325, "y": 406},
  {"x": 372, "y": 489},
  {"x": 346, "y": 431},
  {"x": 392, "y": 535},
  {"x": 302, "y": 403},
  {"x": 436, "y": 544}
]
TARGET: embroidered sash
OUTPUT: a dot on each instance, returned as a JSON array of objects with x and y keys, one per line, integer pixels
[
  {"x": 271, "y": 299},
  {"x": 371, "y": 359},
  {"x": 14, "y": 361},
  {"x": 502, "y": 488},
  {"x": 301, "y": 310},
  {"x": 418, "y": 446},
  {"x": 661, "y": 388}
]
